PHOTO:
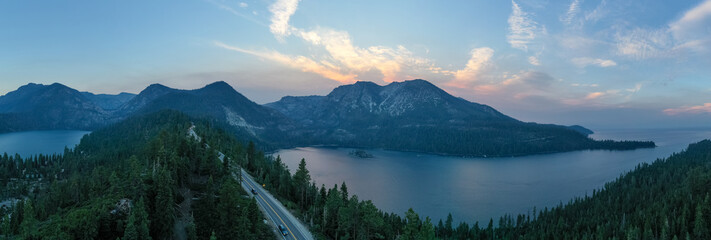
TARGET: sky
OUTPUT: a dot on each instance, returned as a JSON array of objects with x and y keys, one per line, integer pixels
[{"x": 601, "y": 64}]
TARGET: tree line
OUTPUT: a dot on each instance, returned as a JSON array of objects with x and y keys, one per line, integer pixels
[
  {"x": 178, "y": 188},
  {"x": 143, "y": 178}
]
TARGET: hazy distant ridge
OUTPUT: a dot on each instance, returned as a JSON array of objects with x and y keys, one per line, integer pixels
[{"x": 412, "y": 115}]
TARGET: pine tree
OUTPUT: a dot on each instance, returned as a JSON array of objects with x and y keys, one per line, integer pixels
[
  {"x": 138, "y": 224},
  {"x": 115, "y": 184},
  {"x": 29, "y": 222},
  {"x": 372, "y": 219},
  {"x": 301, "y": 182},
  {"x": 330, "y": 212},
  {"x": 230, "y": 216},
  {"x": 6, "y": 229},
  {"x": 701, "y": 230},
  {"x": 251, "y": 152},
  {"x": 205, "y": 217},
  {"x": 448, "y": 229},
  {"x": 427, "y": 231},
  {"x": 164, "y": 217},
  {"x": 412, "y": 226},
  {"x": 253, "y": 215},
  {"x": 131, "y": 232},
  {"x": 344, "y": 192}
]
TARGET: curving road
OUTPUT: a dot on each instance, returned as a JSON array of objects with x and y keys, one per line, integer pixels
[
  {"x": 274, "y": 209},
  {"x": 276, "y": 212}
]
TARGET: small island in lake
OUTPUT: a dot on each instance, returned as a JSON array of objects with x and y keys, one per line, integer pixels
[{"x": 360, "y": 153}]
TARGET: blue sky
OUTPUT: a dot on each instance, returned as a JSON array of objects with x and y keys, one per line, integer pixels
[{"x": 602, "y": 64}]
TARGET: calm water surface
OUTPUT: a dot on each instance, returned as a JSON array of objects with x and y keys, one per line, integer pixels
[
  {"x": 39, "y": 142},
  {"x": 476, "y": 189}
]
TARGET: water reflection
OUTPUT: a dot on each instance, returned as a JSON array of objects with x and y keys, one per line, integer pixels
[{"x": 476, "y": 189}]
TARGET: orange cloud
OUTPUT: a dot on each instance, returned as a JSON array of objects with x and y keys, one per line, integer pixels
[
  {"x": 594, "y": 95},
  {"x": 305, "y": 64},
  {"x": 388, "y": 61},
  {"x": 706, "y": 108},
  {"x": 480, "y": 58}
]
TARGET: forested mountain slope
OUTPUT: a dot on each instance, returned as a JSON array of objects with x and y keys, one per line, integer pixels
[
  {"x": 668, "y": 199},
  {"x": 139, "y": 179},
  {"x": 418, "y": 116},
  {"x": 407, "y": 116},
  {"x": 176, "y": 187},
  {"x": 42, "y": 107}
]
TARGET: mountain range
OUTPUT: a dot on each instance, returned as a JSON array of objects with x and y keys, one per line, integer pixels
[{"x": 411, "y": 115}]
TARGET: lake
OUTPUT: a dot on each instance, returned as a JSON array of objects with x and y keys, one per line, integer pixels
[
  {"x": 477, "y": 189},
  {"x": 39, "y": 142}
]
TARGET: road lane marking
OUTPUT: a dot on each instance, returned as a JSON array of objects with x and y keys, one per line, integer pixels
[
  {"x": 245, "y": 185},
  {"x": 277, "y": 214},
  {"x": 270, "y": 206}
]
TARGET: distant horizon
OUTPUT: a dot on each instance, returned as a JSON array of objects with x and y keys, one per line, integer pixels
[{"x": 593, "y": 63}]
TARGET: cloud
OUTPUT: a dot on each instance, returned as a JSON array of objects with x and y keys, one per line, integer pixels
[
  {"x": 637, "y": 87},
  {"x": 518, "y": 86},
  {"x": 694, "y": 23},
  {"x": 534, "y": 61},
  {"x": 235, "y": 12},
  {"x": 594, "y": 95},
  {"x": 302, "y": 63},
  {"x": 522, "y": 29},
  {"x": 390, "y": 62},
  {"x": 586, "y": 61},
  {"x": 641, "y": 43},
  {"x": 243, "y": 5},
  {"x": 689, "y": 33},
  {"x": 573, "y": 10},
  {"x": 706, "y": 108},
  {"x": 530, "y": 80},
  {"x": 597, "y": 13},
  {"x": 480, "y": 58},
  {"x": 342, "y": 55},
  {"x": 281, "y": 13}
]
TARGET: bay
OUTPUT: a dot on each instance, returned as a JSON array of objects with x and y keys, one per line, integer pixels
[
  {"x": 39, "y": 142},
  {"x": 477, "y": 189}
]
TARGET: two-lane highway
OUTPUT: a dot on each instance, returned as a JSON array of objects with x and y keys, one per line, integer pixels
[{"x": 275, "y": 210}]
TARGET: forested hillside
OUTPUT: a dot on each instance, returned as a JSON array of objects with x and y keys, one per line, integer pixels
[
  {"x": 668, "y": 199},
  {"x": 418, "y": 116},
  {"x": 411, "y": 115},
  {"x": 145, "y": 177}
]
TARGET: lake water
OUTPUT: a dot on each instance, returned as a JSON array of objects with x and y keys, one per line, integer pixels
[
  {"x": 477, "y": 189},
  {"x": 39, "y": 142}
]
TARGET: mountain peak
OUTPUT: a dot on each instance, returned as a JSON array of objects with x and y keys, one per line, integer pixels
[
  {"x": 364, "y": 83},
  {"x": 418, "y": 82},
  {"x": 156, "y": 86},
  {"x": 219, "y": 85},
  {"x": 27, "y": 87},
  {"x": 155, "y": 89}
]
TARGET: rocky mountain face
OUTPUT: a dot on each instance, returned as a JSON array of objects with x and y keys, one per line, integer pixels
[
  {"x": 411, "y": 116},
  {"x": 366, "y": 104},
  {"x": 221, "y": 102},
  {"x": 145, "y": 97},
  {"x": 39, "y": 107},
  {"x": 418, "y": 116},
  {"x": 36, "y": 106}
]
